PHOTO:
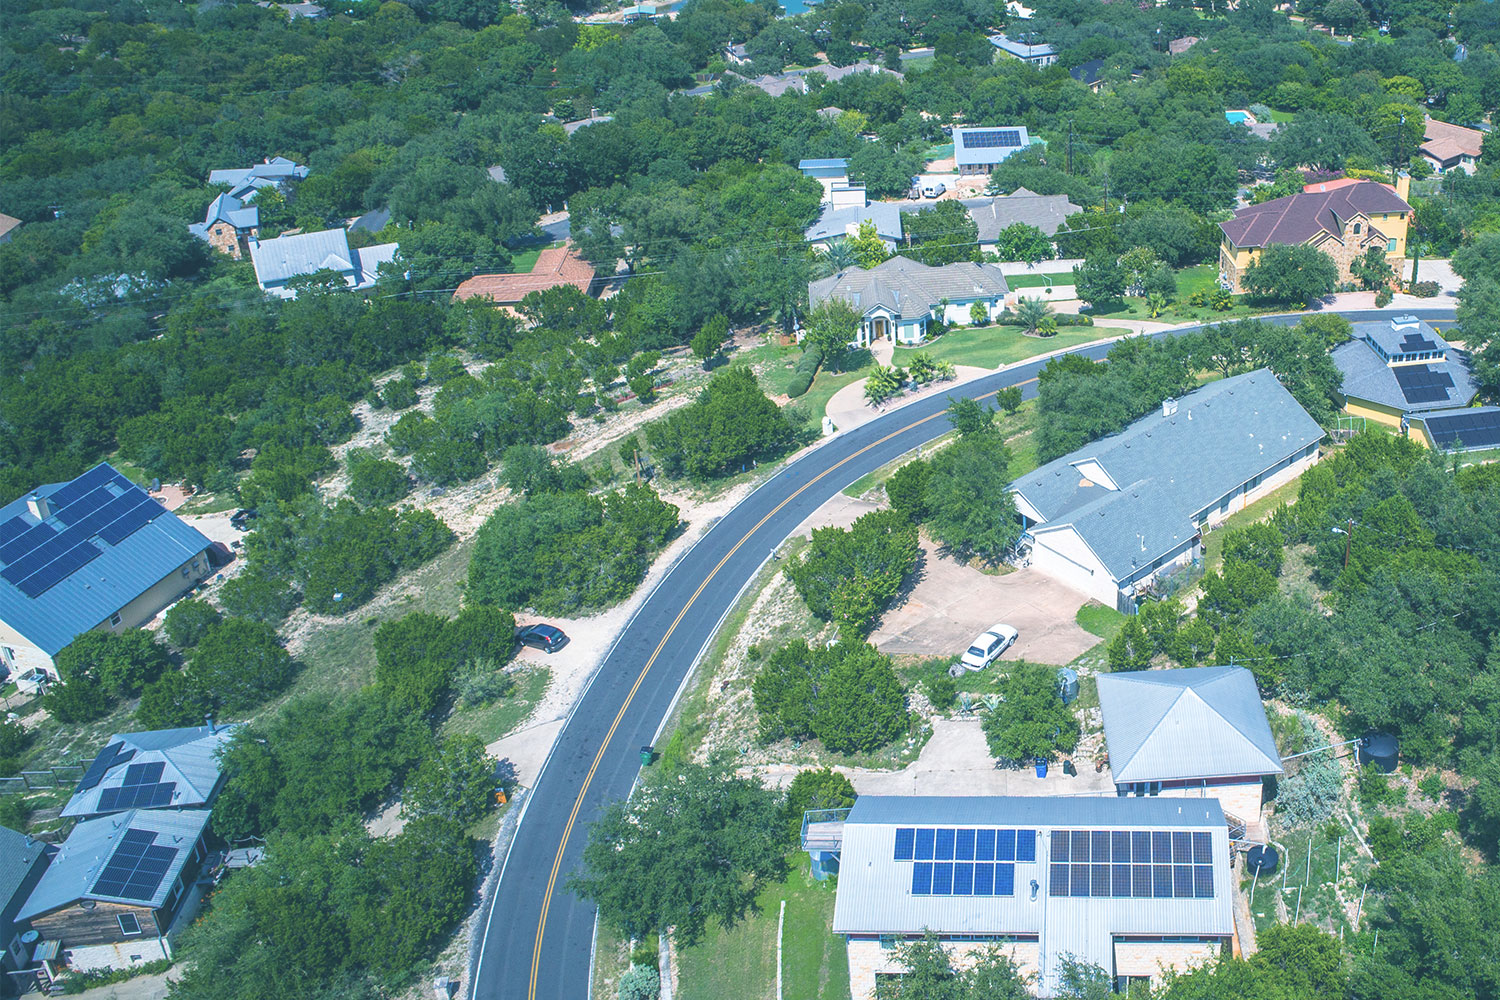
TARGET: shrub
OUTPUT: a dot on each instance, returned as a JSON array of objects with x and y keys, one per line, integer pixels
[
  {"x": 174, "y": 699},
  {"x": 14, "y": 738},
  {"x": 258, "y": 597},
  {"x": 823, "y": 788},
  {"x": 399, "y": 393},
  {"x": 728, "y": 426},
  {"x": 907, "y": 490},
  {"x": 1073, "y": 319},
  {"x": 481, "y": 682},
  {"x": 1032, "y": 722},
  {"x": 376, "y": 481},
  {"x": 847, "y": 695},
  {"x": 122, "y": 663},
  {"x": 849, "y": 576},
  {"x": 642, "y": 982},
  {"x": 1307, "y": 794},
  {"x": 1424, "y": 289},
  {"x": 800, "y": 383},
  {"x": 188, "y": 621},
  {"x": 240, "y": 663},
  {"x": 454, "y": 782},
  {"x": 942, "y": 691},
  {"x": 81, "y": 699},
  {"x": 1383, "y": 297}
]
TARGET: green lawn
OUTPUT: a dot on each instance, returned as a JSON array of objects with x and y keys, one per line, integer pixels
[
  {"x": 1042, "y": 280},
  {"x": 490, "y": 722},
  {"x": 993, "y": 346},
  {"x": 1102, "y": 621},
  {"x": 936, "y": 152},
  {"x": 741, "y": 962}
]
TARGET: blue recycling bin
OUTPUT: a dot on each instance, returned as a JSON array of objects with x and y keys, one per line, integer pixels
[{"x": 1041, "y": 768}]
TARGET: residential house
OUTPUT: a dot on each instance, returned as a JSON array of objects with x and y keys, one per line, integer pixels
[
  {"x": 23, "y": 860},
  {"x": 8, "y": 226},
  {"x": 1112, "y": 517},
  {"x": 97, "y": 552},
  {"x": 274, "y": 171},
  {"x": 1028, "y": 51},
  {"x": 555, "y": 266},
  {"x": 1342, "y": 221},
  {"x": 735, "y": 54},
  {"x": 1475, "y": 428},
  {"x": 900, "y": 297},
  {"x": 1397, "y": 369},
  {"x": 116, "y": 886},
  {"x": 1194, "y": 733},
  {"x": 229, "y": 225},
  {"x": 280, "y": 260},
  {"x": 1090, "y": 74},
  {"x": 1451, "y": 147},
  {"x": 838, "y": 190},
  {"x": 158, "y": 769},
  {"x": 839, "y": 223},
  {"x": 992, "y": 216},
  {"x": 977, "y": 150},
  {"x": 1136, "y": 886}
]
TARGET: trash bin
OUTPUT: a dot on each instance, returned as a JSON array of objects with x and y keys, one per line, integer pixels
[
  {"x": 648, "y": 754},
  {"x": 1069, "y": 769},
  {"x": 1041, "y": 768}
]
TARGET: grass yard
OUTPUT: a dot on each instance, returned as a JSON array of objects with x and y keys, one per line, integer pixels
[
  {"x": 492, "y": 721},
  {"x": 943, "y": 151},
  {"x": 1213, "y": 541},
  {"x": 1323, "y": 882},
  {"x": 524, "y": 261},
  {"x": 740, "y": 962},
  {"x": 993, "y": 346},
  {"x": 1099, "y": 620},
  {"x": 1043, "y": 280}
]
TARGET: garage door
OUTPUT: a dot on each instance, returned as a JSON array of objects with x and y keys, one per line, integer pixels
[{"x": 1071, "y": 573}]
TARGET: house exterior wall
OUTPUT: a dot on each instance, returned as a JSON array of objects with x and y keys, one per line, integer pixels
[
  {"x": 1150, "y": 958},
  {"x": 1240, "y": 795},
  {"x": 869, "y": 958},
  {"x": 1064, "y": 556},
  {"x": 1249, "y": 492},
  {"x": 124, "y": 955},
  {"x": 1379, "y": 413},
  {"x": 1392, "y": 225},
  {"x": 21, "y": 655},
  {"x": 76, "y": 927},
  {"x": 226, "y": 239}
]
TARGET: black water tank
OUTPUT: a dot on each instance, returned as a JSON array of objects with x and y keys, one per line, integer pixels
[
  {"x": 1262, "y": 860},
  {"x": 1379, "y": 749}
]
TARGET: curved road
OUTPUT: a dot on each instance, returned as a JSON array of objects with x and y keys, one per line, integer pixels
[{"x": 537, "y": 937}]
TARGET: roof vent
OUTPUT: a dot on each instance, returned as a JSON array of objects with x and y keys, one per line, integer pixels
[
  {"x": 1168, "y": 406},
  {"x": 40, "y": 506}
]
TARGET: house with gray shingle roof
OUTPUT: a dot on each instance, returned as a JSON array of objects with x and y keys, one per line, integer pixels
[
  {"x": 992, "y": 216},
  {"x": 1399, "y": 368},
  {"x": 22, "y": 862},
  {"x": 1199, "y": 732},
  {"x": 95, "y": 552},
  {"x": 838, "y": 223},
  {"x": 1112, "y": 517},
  {"x": 898, "y": 298},
  {"x": 159, "y": 769}
]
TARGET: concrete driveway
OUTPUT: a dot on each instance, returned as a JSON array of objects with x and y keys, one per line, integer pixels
[{"x": 951, "y": 604}]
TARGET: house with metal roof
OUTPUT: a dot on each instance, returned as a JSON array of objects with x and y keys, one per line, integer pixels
[
  {"x": 95, "y": 552},
  {"x": 159, "y": 769},
  {"x": 1398, "y": 368},
  {"x": 273, "y": 171},
  {"x": 1200, "y": 732},
  {"x": 117, "y": 884},
  {"x": 23, "y": 860},
  {"x": 1344, "y": 221},
  {"x": 229, "y": 225},
  {"x": 1114, "y": 516},
  {"x": 280, "y": 260},
  {"x": 1132, "y": 885},
  {"x": 1026, "y": 49},
  {"x": 899, "y": 297},
  {"x": 977, "y": 149}
]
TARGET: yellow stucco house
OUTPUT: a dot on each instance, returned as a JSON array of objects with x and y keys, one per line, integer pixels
[
  {"x": 1341, "y": 218},
  {"x": 1402, "y": 374}
]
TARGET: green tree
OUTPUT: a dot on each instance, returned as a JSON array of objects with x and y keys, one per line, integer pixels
[
  {"x": 1031, "y": 722},
  {"x": 122, "y": 663},
  {"x": 1032, "y": 312},
  {"x": 412, "y": 668},
  {"x": 867, "y": 247},
  {"x": 970, "y": 510},
  {"x": 1261, "y": 544},
  {"x": 907, "y": 491},
  {"x": 730, "y": 425},
  {"x": 819, "y": 788},
  {"x": 258, "y": 597},
  {"x": 376, "y": 481},
  {"x": 239, "y": 663},
  {"x": 173, "y": 700},
  {"x": 455, "y": 782},
  {"x": 969, "y": 416},
  {"x": 1009, "y": 399},
  {"x": 1293, "y": 273},
  {"x": 1100, "y": 280},
  {"x": 1371, "y": 268},
  {"x": 850, "y": 576},
  {"x": 708, "y": 341},
  {"x": 188, "y": 621},
  {"x": 689, "y": 848},
  {"x": 80, "y": 698},
  {"x": 929, "y": 975},
  {"x": 1021, "y": 242},
  {"x": 830, "y": 328},
  {"x": 846, "y": 695},
  {"x": 942, "y": 234}
]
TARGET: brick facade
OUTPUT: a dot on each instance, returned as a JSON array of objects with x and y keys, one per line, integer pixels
[{"x": 226, "y": 239}]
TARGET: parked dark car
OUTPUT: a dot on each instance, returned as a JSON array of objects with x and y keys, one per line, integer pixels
[{"x": 547, "y": 638}]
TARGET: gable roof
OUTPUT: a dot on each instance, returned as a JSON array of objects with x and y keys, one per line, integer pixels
[
  {"x": 1297, "y": 218},
  {"x": 554, "y": 266},
  {"x": 7, "y": 223},
  {"x": 104, "y": 543},
  {"x": 835, "y": 222},
  {"x": 188, "y": 776},
  {"x": 1088, "y": 73},
  {"x": 77, "y": 872},
  {"x": 1022, "y": 50},
  {"x": 20, "y": 857},
  {"x": 278, "y": 261},
  {"x": 1201, "y": 722},
  {"x": 984, "y": 145},
  {"x": 1409, "y": 388},
  {"x": 908, "y": 289},
  {"x": 1163, "y": 470},
  {"x": 1044, "y": 211},
  {"x": 272, "y": 170},
  {"x": 227, "y": 208},
  {"x": 1445, "y": 142}
]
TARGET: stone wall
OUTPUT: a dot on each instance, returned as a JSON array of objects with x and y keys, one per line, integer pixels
[{"x": 867, "y": 957}]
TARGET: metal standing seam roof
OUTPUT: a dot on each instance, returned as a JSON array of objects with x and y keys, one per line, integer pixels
[
  {"x": 824, "y": 168},
  {"x": 1168, "y": 469},
  {"x": 834, "y": 222},
  {"x": 92, "y": 844},
  {"x": 278, "y": 261},
  {"x": 1199, "y": 722},
  {"x": 1022, "y": 50},
  {"x": 981, "y": 145},
  {"x": 907, "y": 289},
  {"x": 1297, "y": 218},
  {"x": 874, "y": 894},
  {"x": 190, "y": 759},
  {"x": 119, "y": 574},
  {"x": 1368, "y": 377},
  {"x": 19, "y": 856}
]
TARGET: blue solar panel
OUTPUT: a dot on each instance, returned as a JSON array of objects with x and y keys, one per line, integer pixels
[
  {"x": 1005, "y": 845},
  {"x": 1472, "y": 430},
  {"x": 1078, "y": 880},
  {"x": 1203, "y": 849},
  {"x": 921, "y": 878},
  {"x": 963, "y": 845},
  {"x": 114, "y": 753},
  {"x": 1005, "y": 880},
  {"x": 964, "y": 859},
  {"x": 984, "y": 845},
  {"x": 924, "y": 845},
  {"x": 984, "y": 879},
  {"x": 1025, "y": 845},
  {"x": 944, "y": 849},
  {"x": 95, "y": 477},
  {"x": 144, "y": 774},
  {"x": 1203, "y": 881},
  {"x": 963, "y": 878},
  {"x": 905, "y": 841},
  {"x": 1057, "y": 880},
  {"x": 1007, "y": 138},
  {"x": 1161, "y": 881},
  {"x": 136, "y": 869},
  {"x": 1120, "y": 878},
  {"x": 942, "y": 878},
  {"x": 1422, "y": 383},
  {"x": 12, "y": 530}
]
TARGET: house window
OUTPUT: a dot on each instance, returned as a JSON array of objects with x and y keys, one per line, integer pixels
[
  {"x": 1357, "y": 228},
  {"x": 1390, "y": 246},
  {"x": 114, "y": 619},
  {"x": 10, "y": 654},
  {"x": 184, "y": 571},
  {"x": 129, "y": 925}
]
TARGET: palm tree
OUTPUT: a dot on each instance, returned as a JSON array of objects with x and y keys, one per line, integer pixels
[
  {"x": 1155, "y": 303},
  {"x": 1031, "y": 313},
  {"x": 840, "y": 257}
]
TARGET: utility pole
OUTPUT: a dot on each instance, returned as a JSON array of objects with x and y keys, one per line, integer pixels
[
  {"x": 1396, "y": 148},
  {"x": 1106, "y": 191},
  {"x": 1348, "y": 533},
  {"x": 1070, "y": 146}
]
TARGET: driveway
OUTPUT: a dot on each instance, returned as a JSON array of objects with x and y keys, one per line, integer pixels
[{"x": 951, "y": 604}]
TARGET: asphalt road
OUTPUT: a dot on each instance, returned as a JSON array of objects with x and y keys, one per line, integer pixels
[{"x": 537, "y": 938}]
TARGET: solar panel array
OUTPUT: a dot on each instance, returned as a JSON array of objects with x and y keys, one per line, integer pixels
[
  {"x": 114, "y": 753},
  {"x": 137, "y": 868},
  {"x": 1423, "y": 383},
  {"x": 143, "y": 789},
  {"x": 1414, "y": 342},
  {"x": 1121, "y": 864},
  {"x": 964, "y": 861},
  {"x": 1471, "y": 429},
  {"x": 992, "y": 138},
  {"x": 100, "y": 504}
]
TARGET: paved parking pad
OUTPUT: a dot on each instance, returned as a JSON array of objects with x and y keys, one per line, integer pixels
[{"x": 951, "y": 604}]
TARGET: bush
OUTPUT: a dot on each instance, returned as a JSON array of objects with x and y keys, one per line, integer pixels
[
  {"x": 849, "y": 576},
  {"x": 907, "y": 490},
  {"x": 642, "y": 982},
  {"x": 846, "y": 695},
  {"x": 81, "y": 699},
  {"x": 376, "y": 481},
  {"x": 240, "y": 663},
  {"x": 942, "y": 691},
  {"x": 1073, "y": 319},
  {"x": 823, "y": 788},
  {"x": 800, "y": 383},
  {"x": 399, "y": 393},
  {"x": 730, "y": 425},
  {"x": 188, "y": 621},
  {"x": 122, "y": 663},
  {"x": 1308, "y": 794},
  {"x": 173, "y": 700},
  {"x": 1424, "y": 289},
  {"x": 258, "y": 597},
  {"x": 14, "y": 738},
  {"x": 1032, "y": 722},
  {"x": 455, "y": 782},
  {"x": 417, "y": 657},
  {"x": 1383, "y": 297},
  {"x": 481, "y": 682}
]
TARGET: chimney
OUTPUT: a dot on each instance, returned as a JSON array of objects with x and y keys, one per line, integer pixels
[
  {"x": 1168, "y": 406},
  {"x": 1403, "y": 186},
  {"x": 210, "y": 720},
  {"x": 40, "y": 506}
]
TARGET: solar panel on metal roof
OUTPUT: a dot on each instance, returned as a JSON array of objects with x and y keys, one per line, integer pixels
[
  {"x": 136, "y": 869},
  {"x": 998, "y": 138},
  {"x": 102, "y": 764},
  {"x": 1472, "y": 430},
  {"x": 13, "y": 529},
  {"x": 95, "y": 477}
]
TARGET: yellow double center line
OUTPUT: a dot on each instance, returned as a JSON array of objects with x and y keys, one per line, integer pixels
[{"x": 541, "y": 926}]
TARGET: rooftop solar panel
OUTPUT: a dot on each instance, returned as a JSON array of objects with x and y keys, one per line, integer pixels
[
  {"x": 13, "y": 529},
  {"x": 1414, "y": 342},
  {"x": 1423, "y": 383},
  {"x": 1004, "y": 138},
  {"x": 136, "y": 869},
  {"x": 107, "y": 759},
  {"x": 92, "y": 479},
  {"x": 1471, "y": 430}
]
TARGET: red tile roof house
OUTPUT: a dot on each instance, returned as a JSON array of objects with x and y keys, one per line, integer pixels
[
  {"x": 1342, "y": 220},
  {"x": 556, "y": 266},
  {"x": 1449, "y": 147}
]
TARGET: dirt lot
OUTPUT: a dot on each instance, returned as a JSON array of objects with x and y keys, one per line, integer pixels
[{"x": 951, "y": 604}]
